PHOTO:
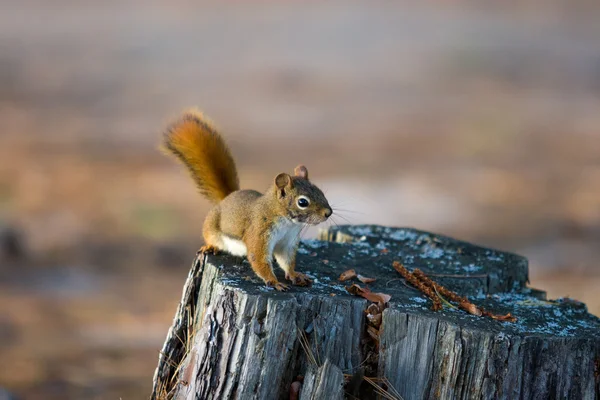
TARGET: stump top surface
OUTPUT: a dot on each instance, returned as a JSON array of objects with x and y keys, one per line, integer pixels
[
  {"x": 467, "y": 272},
  {"x": 479, "y": 270}
]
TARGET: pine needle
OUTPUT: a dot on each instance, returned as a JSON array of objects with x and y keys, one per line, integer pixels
[{"x": 446, "y": 302}]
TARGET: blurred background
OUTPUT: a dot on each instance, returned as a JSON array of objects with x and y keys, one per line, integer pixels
[{"x": 478, "y": 120}]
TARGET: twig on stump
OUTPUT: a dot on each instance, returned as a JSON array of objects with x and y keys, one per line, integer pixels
[{"x": 435, "y": 291}]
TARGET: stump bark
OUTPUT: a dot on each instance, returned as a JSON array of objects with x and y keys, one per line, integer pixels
[{"x": 234, "y": 338}]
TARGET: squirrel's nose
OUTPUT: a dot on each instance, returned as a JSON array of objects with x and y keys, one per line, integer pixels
[{"x": 328, "y": 212}]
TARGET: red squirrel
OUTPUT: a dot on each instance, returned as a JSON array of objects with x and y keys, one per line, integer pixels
[{"x": 248, "y": 223}]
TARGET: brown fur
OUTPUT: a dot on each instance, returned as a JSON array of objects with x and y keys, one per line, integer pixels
[{"x": 198, "y": 145}]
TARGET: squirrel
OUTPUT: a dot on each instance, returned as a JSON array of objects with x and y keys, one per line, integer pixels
[{"x": 261, "y": 227}]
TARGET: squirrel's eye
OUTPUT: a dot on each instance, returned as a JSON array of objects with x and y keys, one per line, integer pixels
[{"x": 303, "y": 202}]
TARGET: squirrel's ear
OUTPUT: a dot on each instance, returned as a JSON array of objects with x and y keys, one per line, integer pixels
[
  {"x": 301, "y": 171},
  {"x": 283, "y": 180}
]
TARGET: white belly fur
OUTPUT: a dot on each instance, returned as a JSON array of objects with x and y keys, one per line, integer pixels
[
  {"x": 284, "y": 237},
  {"x": 233, "y": 246}
]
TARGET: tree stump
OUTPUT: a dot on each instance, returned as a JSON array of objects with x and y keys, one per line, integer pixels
[{"x": 234, "y": 338}]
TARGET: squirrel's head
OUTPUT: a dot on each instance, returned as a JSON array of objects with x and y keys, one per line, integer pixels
[{"x": 304, "y": 202}]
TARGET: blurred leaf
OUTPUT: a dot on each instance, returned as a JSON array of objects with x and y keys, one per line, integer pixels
[
  {"x": 349, "y": 274},
  {"x": 364, "y": 279}
]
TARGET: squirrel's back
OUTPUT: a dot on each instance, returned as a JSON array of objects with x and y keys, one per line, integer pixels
[{"x": 198, "y": 145}]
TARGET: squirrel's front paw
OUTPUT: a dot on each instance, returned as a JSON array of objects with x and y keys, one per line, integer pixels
[
  {"x": 278, "y": 286},
  {"x": 298, "y": 279}
]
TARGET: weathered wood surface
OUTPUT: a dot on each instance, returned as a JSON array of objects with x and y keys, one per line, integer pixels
[
  {"x": 469, "y": 269},
  {"x": 234, "y": 338},
  {"x": 324, "y": 382}
]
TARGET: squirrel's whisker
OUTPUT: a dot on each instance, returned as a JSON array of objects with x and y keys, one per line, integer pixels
[
  {"x": 344, "y": 218},
  {"x": 345, "y": 210}
]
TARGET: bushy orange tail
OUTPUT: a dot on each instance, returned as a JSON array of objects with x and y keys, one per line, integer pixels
[{"x": 198, "y": 145}]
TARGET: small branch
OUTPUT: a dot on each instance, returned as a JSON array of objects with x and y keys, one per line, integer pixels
[
  {"x": 418, "y": 279},
  {"x": 413, "y": 280}
]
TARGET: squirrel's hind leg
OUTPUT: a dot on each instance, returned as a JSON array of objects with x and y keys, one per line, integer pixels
[
  {"x": 208, "y": 249},
  {"x": 212, "y": 233}
]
